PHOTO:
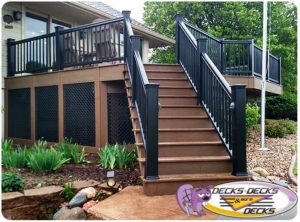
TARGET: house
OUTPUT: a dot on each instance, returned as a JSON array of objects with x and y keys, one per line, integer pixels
[{"x": 86, "y": 76}]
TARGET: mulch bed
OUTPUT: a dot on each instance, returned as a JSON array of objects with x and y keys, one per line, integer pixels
[{"x": 75, "y": 172}]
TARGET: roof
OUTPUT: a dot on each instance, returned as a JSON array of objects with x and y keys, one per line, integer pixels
[
  {"x": 156, "y": 39},
  {"x": 110, "y": 10}
]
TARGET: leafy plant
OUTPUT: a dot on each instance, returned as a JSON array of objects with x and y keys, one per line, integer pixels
[
  {"x": 68, "y": 192},
  {"x": 275, "y": 130},
  {"x": 7, "y": 145},
  {"x": 16, "y": 159},
  {"x": 100, "y": 195},
  {"x": 252, "y": 116},
  {"x": 112, "y": 156},
  {"x": 11, "y": 182},
  {"x": 46, "y": 160},
  {"x": 71, "y": 151}
]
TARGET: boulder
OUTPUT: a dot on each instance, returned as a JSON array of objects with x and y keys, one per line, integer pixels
[
  {"x": 75, "y": 213},
  {"x": 90, "y": 192},
  {"x": 88, "y": 205},
  {"x": 261, "y": 171},
  {"x": 59, "y": 212},
  {"x": 78, "y": 200}
]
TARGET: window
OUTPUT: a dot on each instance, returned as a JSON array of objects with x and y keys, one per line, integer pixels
[{"x": 35, "y": 25}]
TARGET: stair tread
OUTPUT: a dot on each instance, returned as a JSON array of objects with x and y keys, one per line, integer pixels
[
  {"x": 191, "y": 177},
  {"x": 178, "y": 106},
  {"x": 170, "y": 87},
  {"x": 186, "y": 143},
  {"x": 178, "y": 117},
  {"x": 181, "y": 129},
  {"x": 169, "y": 78},
  {"x": 172, "y": 96},
  {"x": 189, "y": 159}
]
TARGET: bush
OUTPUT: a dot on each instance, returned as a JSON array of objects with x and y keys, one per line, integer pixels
[
  {"x": 68, "y": 192},
  {"x": 11, "y": 182},
  {"x": 112, "y": 156},
  {"x": 276, "y": 130},
  {"x": 252, "y": 116},
  {"x": 280, "y": 128},
  {"x": 45, "y": 160},
  {"x": 282, "y": 107},
  {"x": 71, "y": 151}
]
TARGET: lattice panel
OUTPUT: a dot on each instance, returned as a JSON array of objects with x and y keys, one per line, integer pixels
[
  {"x": 19, "y": 113},
  {"x": 119, "y": 123},
  {"x": 46, "y": 113},
  {"x": 79, "y": 113}
]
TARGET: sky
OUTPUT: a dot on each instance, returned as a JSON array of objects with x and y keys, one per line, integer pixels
[{"x": 135, "y": 6}]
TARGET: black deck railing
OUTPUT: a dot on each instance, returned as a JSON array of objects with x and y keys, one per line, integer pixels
[
  {"x": 84, "y": 45},
  {"x": 145, "y": 99},
  {"x": 238, "y": 57},
  {"x": 224, "y": 105}
]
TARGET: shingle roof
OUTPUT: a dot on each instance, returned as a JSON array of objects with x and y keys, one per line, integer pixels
[{"x": 110, "y": 10}]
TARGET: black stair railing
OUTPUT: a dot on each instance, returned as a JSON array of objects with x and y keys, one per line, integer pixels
[
  {"x": 224, "y": 105},
  {"x": 144, "y": 97}
]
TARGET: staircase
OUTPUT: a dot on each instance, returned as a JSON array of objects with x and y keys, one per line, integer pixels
[{"x": 189, "y": 149}]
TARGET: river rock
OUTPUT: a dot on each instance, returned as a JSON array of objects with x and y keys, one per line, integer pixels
[
  {"x": 90, "y": 192},
  {"x": 78, "y": 200},
  {"x": 261, "y": 171},
  {"x": 88, "y": 205},
  {"x": 59, "y": 212},
  {"x": 76, "y": 213}
]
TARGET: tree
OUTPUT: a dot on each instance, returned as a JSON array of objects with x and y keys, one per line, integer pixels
[{"x": 232, "y": 20}]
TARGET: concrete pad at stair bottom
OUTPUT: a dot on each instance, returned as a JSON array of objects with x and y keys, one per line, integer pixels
[{"x": 132, "y": 204}]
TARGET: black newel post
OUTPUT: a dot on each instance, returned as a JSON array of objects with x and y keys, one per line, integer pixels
[
  {"x": 126, "y": 15},
  {"x": 11, "y": 57},
  {"x": 151, "y": 169},
  {"x": 59, "y": 48},
  {"x": 201, "y": 48},
  {"x": 239, "y": 130},
  {"x": 251, "y": 57},
  {"x": 178, "y": 19}
]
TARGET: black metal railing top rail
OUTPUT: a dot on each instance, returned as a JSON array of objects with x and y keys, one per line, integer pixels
[
  {"x": 238, "y": 57},
  {"x": 144, "y": 97},
  {"x": 224, "y": 105},
  {"x": 83, "y": 45}
]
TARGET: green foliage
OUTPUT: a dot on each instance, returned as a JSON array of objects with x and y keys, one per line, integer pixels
[
  {"x": 275, "y": 130},
  {"x": 45, "y": 160},
  {"x": 15, "y": 158},
  {"x": 7, "y": 145},
  {"x": 238, "y": 20},
  {"x": 11, "y": 182},
  {"x": 252, "y": 116},
  {"x": 280, "y": 128},
  {"x": 71, "y": 151},
  {"x": 295, "y": 169},
  {"x": 282, "y": 107},
  {"x": 101, "y": 195},
  {"x": 112, "y": 156},
  {"x": 68, "y": 192}
]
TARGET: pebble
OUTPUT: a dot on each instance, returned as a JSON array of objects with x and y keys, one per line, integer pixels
[{"x": 78, "y": 200}]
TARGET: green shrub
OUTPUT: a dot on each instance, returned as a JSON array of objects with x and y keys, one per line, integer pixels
[
  {"x": 252, "y": 116},
  {"x": 291, "y": 126},
  {"x": 275, "y": 130},
  {"x": 11, "y": 182},
  {"x": 71, "y": 151},
  {"x": 45, "y": 160},
  {"x": 112, "y": 156},
  {"x": 7, "y": 145},
  {"x": 282, "y": 107}
]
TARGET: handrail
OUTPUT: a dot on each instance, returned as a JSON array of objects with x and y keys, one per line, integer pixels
[
  {"x": 83, "y": 45},
  {"x": 144, "y": 97},
  {"x": 224, "y": 105}
]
